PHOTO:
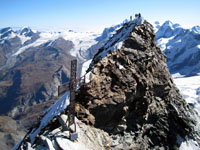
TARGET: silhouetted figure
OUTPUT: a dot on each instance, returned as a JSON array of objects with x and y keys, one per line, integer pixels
[
  {"x": 130, "y": 18},
  {"x": 138, "y": 15}
]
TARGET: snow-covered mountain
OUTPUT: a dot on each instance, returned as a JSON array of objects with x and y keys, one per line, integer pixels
[
  {"x": 26, "y": 54},
  {"x": 22, "y": 48},
  {"x": 24, "y": 34},
  {"x": 181, "y": 46},
  {"x": 130, "y": 96},
  {"x": 33, "y": 64},
  {"x": 25, "y": 38}
]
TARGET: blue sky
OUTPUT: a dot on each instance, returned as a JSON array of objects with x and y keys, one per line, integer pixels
[{"x": 94, "y": 14}]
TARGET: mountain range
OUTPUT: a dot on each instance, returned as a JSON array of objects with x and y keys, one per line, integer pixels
[
  {"x": 129, "y": 101},
  {"x": 33, "y": 64},
  {"x": 181, "y": 46}
]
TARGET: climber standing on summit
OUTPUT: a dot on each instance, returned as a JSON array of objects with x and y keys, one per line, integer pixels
[
  {"x": 139, "y": 19},
  {"x": 138, "y": 15}
]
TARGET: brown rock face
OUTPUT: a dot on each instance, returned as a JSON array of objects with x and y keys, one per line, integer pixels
[{"x": 131, "y": 94}]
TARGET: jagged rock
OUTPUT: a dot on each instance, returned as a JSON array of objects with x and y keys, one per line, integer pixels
[
  {"x": 90, "y": 138},
  {"x": 131, "y": 90},
  {"x": 63, "y": 120}
]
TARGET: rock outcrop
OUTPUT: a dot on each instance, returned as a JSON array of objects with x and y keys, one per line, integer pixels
[
  {"x": 59, "y": 139},
  {"x": 130, "y": 98},
  {"x": 131, "y": 94}
]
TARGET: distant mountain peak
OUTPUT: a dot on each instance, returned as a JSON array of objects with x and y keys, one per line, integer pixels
[
  {"x": 168, "y": 23},
  {"x": 26, "y": 31},
  {"x": 168, "y": 29},
  {"x": 196, "y": 29},
  {"x": 3, "y": 30},
  {"x": 181, "y": 47}
]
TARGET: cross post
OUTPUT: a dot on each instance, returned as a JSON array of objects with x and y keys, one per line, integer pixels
[{"x": 71, "y": 113}]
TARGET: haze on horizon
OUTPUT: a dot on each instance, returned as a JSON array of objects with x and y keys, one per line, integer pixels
[{"x": 90, "y": 15}]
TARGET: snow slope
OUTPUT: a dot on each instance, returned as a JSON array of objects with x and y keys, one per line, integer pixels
[
  {"x": 102, "y": 40},
  {"x": 190, "y": 89},
  {"x": 52, "y": 112}
]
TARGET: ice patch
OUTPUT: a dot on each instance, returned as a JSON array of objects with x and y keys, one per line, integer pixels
[
  {"x": 189, "y": 145},
  {"x": 85, "y": 67},
  {"x": 169, "y": 47},
  {"x": 2, "y": 42},
  {"x": 116, "y": 46},
  {"x": 120, "y": 66}
]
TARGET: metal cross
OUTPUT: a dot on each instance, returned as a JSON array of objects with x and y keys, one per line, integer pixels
[
  {"x": 71, "y": 86},
  {"x": 66, "y": 86},
  {"x": 71, "y": 114}
]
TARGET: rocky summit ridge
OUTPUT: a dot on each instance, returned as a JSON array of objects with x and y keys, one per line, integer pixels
[{"x": 130, "y": 101}]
